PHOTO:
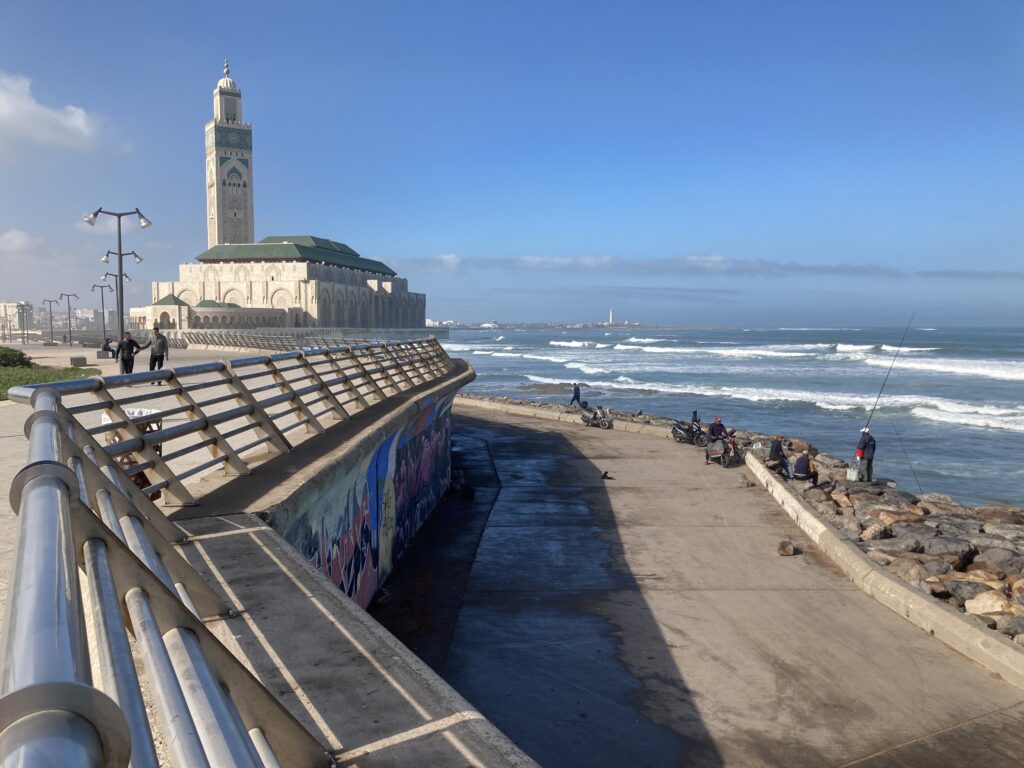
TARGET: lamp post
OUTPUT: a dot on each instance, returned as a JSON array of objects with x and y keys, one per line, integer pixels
[
  {"x": 6, "y": 326},
  {"x": 49, "y": 304},
  {"x": 143, "y": 223},
  {"x": 104, "y": 287},
  {"x": 24, "y": 315},
  {"x": 69, "y": 296},
  {"x": 103, "y": 279}
]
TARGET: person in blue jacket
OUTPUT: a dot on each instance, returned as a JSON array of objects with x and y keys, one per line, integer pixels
[{"x": 866, "y": 453}]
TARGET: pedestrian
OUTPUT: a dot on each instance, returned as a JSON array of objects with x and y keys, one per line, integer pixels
[
  {"x": 126, "y": 350},
  {"x": 575, "y": 394},
  {"x": 159, "y": 350},
  {"x": 803, "y": 468},
  {"x": 866, "y": 454},
  {"x": 778, "y": 454}
]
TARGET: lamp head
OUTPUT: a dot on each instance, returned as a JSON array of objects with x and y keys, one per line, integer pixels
[
  {"x": 91, "y": 218},
  {"x": 143, "y": 221},
  {"x": 106, "y": 258},
  {"x": 138, "y": 259}
]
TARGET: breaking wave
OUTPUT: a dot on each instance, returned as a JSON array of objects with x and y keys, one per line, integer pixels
[{"x": 988, "y": 369}]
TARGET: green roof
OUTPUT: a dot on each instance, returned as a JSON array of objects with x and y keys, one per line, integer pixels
[
  {"x": 211, "y": 304},
  {"x": 170, "y": 300},
  {"x": 296, "y": 248}
]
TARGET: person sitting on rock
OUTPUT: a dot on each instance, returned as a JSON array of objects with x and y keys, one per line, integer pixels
[
  {"x": 804, "y": 469},
  {"x": 778, "y": 454}
]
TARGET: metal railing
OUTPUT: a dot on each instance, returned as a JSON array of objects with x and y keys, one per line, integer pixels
[
  {"x": 290, "y": 338},
  {"x": 81, "y": 507}
]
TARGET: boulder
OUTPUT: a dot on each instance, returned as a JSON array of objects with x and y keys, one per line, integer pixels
[
  {"x": 1010, "y": 624},
  {"x": 984, "y": 541},
  {"x": 908, "y": 569},
  {"x": 936, "y": 567},
  {"x": 920, "y": 530},
  {"x": 879, "y": 556},
  {"x": 898, "y": 498},
  {"x": 988, "y": 602},
  {"x": 985, "y": 620},
  {"x": 787, "y": 548},
  {"x": 1018, "y": 588},
  {"x": 892, "y": 546},
  {"x": 942, "y": 545},
  {"x": 816, "y": 494},
  {"x": 1010, "y": 531},
  {"x": 897, "y": 515},
  {"x": 842, "y": 499},
  {"x": 962, "y": 591},
  {"x": 1003, "y": 558},
  {"x": 874, "y": 531}
]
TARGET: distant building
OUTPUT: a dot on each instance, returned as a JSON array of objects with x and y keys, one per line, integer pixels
[
  {"x": 295, "y": 281},
  {"x": 18, "y": 314}
]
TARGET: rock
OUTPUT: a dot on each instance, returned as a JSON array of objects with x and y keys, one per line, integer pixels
[
  {"x": 896, "y": 516},
  {"x": 962, "y": 591},
  {"x": 989, "y": 622},
  {"x": 1007, "y": 560},
  {"x": 998, "y": 513},
  {"x": 1019, "y": 639},
  {"x": 985, "y": 541},
  {"x": 1007, "y": 530},
  {"x": 875, "y": 531},
  {"x": 920, "y": 530},
  {"x": 893, "y": 546},
  {"x": 979, "y": 572},
  {"x": 1010, "y": 624},
  {"x": 909, "y": 570},
  {"x": 988, "y": 602},
  {"x": 937, "y": 567},
  {"x": 863, "y": 507},
  {"x": 836, "y": 521},
  {"x": 797, "y": 445},
  {"x": 879, "y": 556},
  {"x": 959, "y": 525},
  {"x": 1018, "y": 588},
  {"x": 897, "y": 497},
  {"x": 941, "y": 545},
  {"x": 841, "y": 498},
  {"x": 787, "y": 548},
  {"x": 816, "y": 494}
]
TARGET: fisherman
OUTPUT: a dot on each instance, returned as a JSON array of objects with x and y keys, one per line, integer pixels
[
  {"x": 575, "y": 394},
  {"x": 866, "y": 454},
  {"x": 803, "y": 468},
  {"x": 716, "y": 431},
  {"x": 778, "y": 454},
  {"x": 126, "y": 350},
  {"x": 159, "y": 349}
]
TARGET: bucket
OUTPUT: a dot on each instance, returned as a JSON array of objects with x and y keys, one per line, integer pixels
[{"x": 853, "y": 474}]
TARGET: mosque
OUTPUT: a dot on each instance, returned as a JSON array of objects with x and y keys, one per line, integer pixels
[{"x": 290, "y": 281}]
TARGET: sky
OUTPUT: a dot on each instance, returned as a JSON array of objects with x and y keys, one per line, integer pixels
[{"x": 683, "y": 163}]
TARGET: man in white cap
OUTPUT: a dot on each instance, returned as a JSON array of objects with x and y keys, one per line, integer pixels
[{"x": 866, "y": 453}]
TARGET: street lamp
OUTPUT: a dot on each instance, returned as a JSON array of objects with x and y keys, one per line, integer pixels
[
  {"x": 24, "y": 315},
  {"x": 143, "y": 223},
  {"x": 69, "y": 296},
  {"x": 49, "y": 304},
  {"x": 104, "y": 287}
]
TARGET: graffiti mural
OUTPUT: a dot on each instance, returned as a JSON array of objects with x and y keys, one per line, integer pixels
[{"x": 359, "y": 527}]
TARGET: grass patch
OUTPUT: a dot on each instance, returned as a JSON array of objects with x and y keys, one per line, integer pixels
[{"x": 20, "y": 376}]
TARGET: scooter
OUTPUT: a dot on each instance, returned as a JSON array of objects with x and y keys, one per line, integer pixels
[
  {"x": 689, "y": 431},
  {"x": 596, "y": 417},
  {"x": 722, "y": 449}
]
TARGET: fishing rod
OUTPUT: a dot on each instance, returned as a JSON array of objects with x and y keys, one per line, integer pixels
[
  {"x": 907, "y": 455},
  {"x": 898, "y": 349}
]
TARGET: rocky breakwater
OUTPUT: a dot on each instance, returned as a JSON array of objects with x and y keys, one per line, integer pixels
[{"x": 969, "y": 557}]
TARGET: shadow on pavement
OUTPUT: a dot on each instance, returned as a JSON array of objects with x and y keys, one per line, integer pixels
[{"x": 507, "y": 595}]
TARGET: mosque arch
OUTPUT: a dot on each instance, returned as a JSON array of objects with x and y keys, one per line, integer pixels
[
  {"x": 189, "y": 297},
  {"x": 234, "y": 296}
]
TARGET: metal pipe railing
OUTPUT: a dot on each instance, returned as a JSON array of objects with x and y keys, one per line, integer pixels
[{"x": 80, "y": 509}]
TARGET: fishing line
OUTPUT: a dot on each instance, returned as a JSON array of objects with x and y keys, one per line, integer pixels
[
  {"x": 900, "y": 347},
  {"x": 907, "y": 455}
]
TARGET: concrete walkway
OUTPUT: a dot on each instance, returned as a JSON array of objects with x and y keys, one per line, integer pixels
[{"x": 648, "y": 620}]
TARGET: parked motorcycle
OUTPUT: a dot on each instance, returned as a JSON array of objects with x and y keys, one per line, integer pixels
[
  {"x": 689, "y": 431},
  {"x": 595, "y": 417}
]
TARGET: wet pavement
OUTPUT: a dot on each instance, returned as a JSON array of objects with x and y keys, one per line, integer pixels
[{"x": 648, "y": 621}]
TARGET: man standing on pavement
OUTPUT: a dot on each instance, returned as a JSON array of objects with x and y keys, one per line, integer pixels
[
  {"x": 159, "y": 350},
  {"x": 866, "y": 453},
  {"x": 126, "y": 350},
  {"x": 575, "y": 394}
]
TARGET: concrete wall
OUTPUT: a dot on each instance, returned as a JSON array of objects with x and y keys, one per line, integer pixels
[{"x": 362, "y": 512}]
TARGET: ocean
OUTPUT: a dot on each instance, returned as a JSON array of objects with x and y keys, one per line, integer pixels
[{"x": 951, "y": 418}]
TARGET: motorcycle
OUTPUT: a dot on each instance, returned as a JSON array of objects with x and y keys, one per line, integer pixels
[
  {"x": 689, "y": 431},
  {"x": 596, "y": 417}
]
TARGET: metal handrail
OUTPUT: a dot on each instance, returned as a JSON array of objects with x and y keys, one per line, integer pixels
[{"x": 80, "y": 509}]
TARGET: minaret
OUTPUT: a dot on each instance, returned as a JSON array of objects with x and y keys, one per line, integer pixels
[{"x": 228, "y": 167}]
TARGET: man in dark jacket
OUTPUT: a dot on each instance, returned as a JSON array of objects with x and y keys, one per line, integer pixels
[
  {"x": 575, "y": 394},
  {"x": 125, "y": 352},
  {"x": 866, "y": 453},
  {"x": 159, "y": 348},
  {"x": 778, "y": 454},
  {"x": 803, "y": 468}
]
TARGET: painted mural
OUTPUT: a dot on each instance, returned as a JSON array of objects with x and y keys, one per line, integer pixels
[{"x": 365, "y": 519}]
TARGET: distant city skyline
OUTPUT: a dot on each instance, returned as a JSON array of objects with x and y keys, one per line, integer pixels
[{"x": 792, "y": 163}]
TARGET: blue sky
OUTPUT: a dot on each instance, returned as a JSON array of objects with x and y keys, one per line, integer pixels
[{"x": 713, "y": 163}]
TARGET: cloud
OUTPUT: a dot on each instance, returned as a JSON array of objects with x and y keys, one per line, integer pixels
[
  {"x": 23, "y": 120},
  {"x": 18, "y": 243}
]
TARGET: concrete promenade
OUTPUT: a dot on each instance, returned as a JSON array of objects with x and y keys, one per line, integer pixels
[{"x": 649, "y": 621}]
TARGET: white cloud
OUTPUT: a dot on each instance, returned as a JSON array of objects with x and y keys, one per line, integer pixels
[
  {"x": 19, "y": 243},
  {"x": 23, "y": 120}
]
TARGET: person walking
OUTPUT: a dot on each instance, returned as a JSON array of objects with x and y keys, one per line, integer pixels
[
  {"x": 160, "y": 349},
  {"x": 575, "y": 394},
  {"x": 866, "y": 454},
  {"x": 125, "y": 352}
]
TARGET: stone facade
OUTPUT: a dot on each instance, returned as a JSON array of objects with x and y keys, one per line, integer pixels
[{"x": 229, "y": 192}]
